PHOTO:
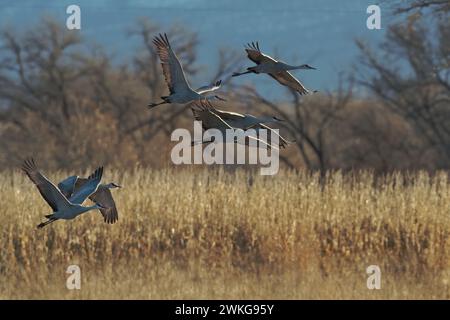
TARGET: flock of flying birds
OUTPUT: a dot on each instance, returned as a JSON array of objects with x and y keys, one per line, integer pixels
[{"x": 67, "y": 198}]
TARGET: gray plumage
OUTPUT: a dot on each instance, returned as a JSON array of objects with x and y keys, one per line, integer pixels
[
  {"x": 211, "y": 117},
  {"x": 62, "y": 207},
  {"x": 103, "y": 196},
  {"x": 179, "y": 88},
  {"x": 202, "y": 109},
  {"x": 274, "y": 68}
]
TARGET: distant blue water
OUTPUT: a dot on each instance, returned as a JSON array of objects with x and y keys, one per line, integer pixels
[{"x": 318, "y": 32}]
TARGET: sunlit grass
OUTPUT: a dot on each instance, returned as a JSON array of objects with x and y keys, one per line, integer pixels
[{"x": 214, "y": 234}]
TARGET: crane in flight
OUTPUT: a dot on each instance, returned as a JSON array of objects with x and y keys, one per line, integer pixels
[
  {"x": 103, "y": 196},
  {"x": 62, "y": 207},
  {"x": 211, "y": 117},
  {"x": 274, "y": 68},
  {"x": 179, "y": 88}
]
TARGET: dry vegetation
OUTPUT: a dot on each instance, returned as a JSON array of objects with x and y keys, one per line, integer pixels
[
  {"x": 199, "y": 233},
  {"x": 214, "y": 232},
  {"x": 68, "y": 104}
]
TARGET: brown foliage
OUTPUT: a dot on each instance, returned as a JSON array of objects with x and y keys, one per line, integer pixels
[{"x": 64, "y": 102}]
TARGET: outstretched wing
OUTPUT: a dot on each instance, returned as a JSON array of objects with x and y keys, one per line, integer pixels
[
  {"x": 103, "y": 196},
  {"x": 67, "y": 186},
  {"x": 255, "y": 54},
  {"x": 261, "y": 142},
  {"x": 282, "y": 141},
  {"x": 88, "y": 188},
  {"x": 287, "y": 79},
  {"x": 48, "y": 190},
  {"x": 228, "y": 115},
  {"x": 212, "y": 87},
  {"x": 204, "y": 111},
  {"x": 172, "y": 69}
]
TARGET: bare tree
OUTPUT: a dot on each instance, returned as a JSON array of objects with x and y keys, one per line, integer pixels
[
  {"x": 63, "y": 100},
  {"x": 416, "y": 5},
  {"x": 307, "y": 121},
  {"x": 37, "y": 82},
  {"x": 412, "y": 78}
]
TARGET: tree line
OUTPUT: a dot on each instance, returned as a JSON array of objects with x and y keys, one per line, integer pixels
[{"x": 64, "y": 100}]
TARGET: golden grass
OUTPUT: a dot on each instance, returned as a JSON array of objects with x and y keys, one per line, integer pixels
[{"x": 210, "y": 234}]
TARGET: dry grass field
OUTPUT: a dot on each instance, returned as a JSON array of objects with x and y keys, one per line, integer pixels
[{"x": 209, "y": 233}]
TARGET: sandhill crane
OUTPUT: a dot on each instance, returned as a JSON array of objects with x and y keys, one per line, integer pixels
[
  {"x": 210, "y": 117},
  {"x": 276, "y": 69},
  {"x": 180, "y": 90},
  {"x": 102, "y": 196},
  {"x": 63, "y": 208},
  {"x": 247, "y": 121}
]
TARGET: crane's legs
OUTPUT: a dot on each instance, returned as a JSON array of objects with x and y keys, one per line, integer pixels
[
  {"x": 43, "y": 224},
  {"x": 236, "y": 74},
  {"x": 152, "y": 105},
  {"x": 194, "y": 143}
]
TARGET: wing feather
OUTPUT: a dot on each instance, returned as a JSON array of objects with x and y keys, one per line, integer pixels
[
  {"x": 228, "y": 115},
  {"x": 47, "y": 189},
  {"x": 287, "y": 79},
  {"x": 212, "y": 87},
  {"x": 204, "y": 111},
  {"x": 261, "y": 142},
  {"x": 282, "y": 141},
  {"x": 255, "y": 54},
  {"x": 172, "y": 69},
  {"x": 67, "y": 186},
  {"x": 88, "y": 187},
  {"x": 103, "y": 196},
  {"x": 211, "y": 118}
]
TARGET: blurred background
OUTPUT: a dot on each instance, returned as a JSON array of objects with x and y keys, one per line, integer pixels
[{"x": 77, "y": 98}]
